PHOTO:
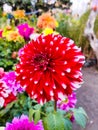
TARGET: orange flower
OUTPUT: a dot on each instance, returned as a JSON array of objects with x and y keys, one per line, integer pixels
[
  {"x": 46, "y": 20},
  {"x": 19, "y": 13},
  {"x": 8, "y": 27},
  {"x": 13, "y": 36}
]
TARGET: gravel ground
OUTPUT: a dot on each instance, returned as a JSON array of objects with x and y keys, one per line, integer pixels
[{"x": 88, "y": 98}]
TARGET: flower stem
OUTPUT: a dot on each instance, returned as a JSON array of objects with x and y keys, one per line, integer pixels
[{"x": 55, "y": 105}]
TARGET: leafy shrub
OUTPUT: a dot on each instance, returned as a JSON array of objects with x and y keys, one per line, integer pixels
[{"x": 8, "y": 53}]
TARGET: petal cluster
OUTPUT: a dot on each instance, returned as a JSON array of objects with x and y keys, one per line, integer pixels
[
  {"x": 46, "y": 20},
  {"x": 6, "y": 96},
  {"x": 10, "y": 80},
  {"x": 19, "y": 14},
  {"x": 25, "y": 30},
  {"x": 23, "y": 123},
  {"x": 69, "y": 102},
  {"x": 50, "y": 67}
]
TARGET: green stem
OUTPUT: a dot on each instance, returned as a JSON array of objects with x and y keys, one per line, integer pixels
[
  {"x": 43, "y": 113},
  {"x": 55, "y": 105}
]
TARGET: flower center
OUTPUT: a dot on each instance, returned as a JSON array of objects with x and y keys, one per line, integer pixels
[
  {"x": 41, "y": 61},
  {"x": 65, "y": 101}
]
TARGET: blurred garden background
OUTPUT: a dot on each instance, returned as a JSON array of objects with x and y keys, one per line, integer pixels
[{"x": 24, "y": 20}]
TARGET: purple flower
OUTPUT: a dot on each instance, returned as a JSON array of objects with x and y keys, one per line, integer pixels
[
  {"x": 68, "y": 103},
  {"x": 23, "y": 123},
  {"x": 10, "y": 80},
  {"x": 25, "y": 30}
]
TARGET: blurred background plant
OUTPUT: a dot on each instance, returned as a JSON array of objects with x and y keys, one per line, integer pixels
[{"x": 8, "y": 53}]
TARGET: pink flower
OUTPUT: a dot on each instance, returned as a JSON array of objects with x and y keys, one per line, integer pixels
[
  {"x": 69, "y": 102},
  {"x": 20, "y": 51},
  {"x": 1, "y": 33},
  {"x": 25, "y": 30},
  {"x": 23, "y": 123},
  {"x": 50, "y": 68},
  {"x": 1, "y": 72},
  {"x": 10, "y": 80},
  {"x": 6, "y": 96}
]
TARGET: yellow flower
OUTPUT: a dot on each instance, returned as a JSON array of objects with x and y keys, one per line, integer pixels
[
  {"x": 6, "y": 31},
  {"x": 46, "y": 20},
  {"x": 13, "y": 36},
  {"x": 19, "y": 14},
  {"x": 47, "y": 31}
]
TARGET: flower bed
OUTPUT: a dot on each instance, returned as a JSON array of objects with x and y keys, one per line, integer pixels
[{"x": 38, "y": 90}]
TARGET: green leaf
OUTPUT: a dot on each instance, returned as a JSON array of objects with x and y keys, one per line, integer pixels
[
  {"x": 80, "y": 116},
  {"x": 54, "y": 121},
  {"x": 37, "y": 116},
  {"x": 37, "y": 107},
  {"x": 5, "y": 110},
  {"x": 80, "y": 119},
  {"x": 68, "y": 124},
  {"x": 31, "y": 113},
  {"x": 83, "y": 111}
]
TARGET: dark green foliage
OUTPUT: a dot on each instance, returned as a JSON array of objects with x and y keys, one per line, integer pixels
[{"x": 6, "y": 50}]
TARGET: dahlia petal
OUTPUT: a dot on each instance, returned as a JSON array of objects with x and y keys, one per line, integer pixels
[
  {"x": 6, "y": 95},
  {"x": 2, "y": 101}
]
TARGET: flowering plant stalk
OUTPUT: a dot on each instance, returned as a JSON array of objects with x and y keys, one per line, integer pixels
[{"x": 49, "y": 72}]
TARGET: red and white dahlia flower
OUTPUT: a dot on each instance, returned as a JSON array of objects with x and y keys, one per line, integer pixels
[
  {"x": 50, "y": 68},
  {"x": 6, "y": 96}
]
